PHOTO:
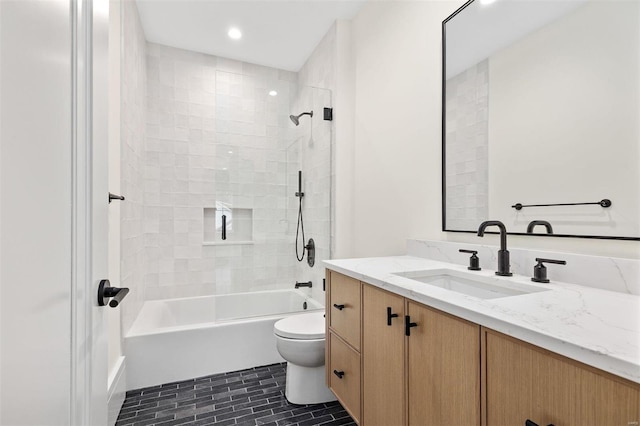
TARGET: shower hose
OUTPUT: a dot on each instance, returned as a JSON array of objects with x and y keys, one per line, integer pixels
[{"x": 300, "y": 229}]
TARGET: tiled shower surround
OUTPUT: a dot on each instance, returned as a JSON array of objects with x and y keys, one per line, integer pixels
[
  {"x": 467, "y": 147},
  {"x": 214, "y": 140}
]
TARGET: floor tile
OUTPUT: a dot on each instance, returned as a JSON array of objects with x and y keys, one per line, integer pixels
[{"x": 248, "y": 397}]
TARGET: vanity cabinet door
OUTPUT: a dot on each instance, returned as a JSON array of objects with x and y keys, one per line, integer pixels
[
  {"x": 443, "y": 369},
  {"x": 524, "y": 382},
  {"x": 344, "y": 375},
  {"x": 344, "y": 308},
  {"x": 383, "y": 390}
]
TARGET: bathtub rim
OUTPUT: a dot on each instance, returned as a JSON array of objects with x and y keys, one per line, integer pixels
[{"x": 174, "y": 329}]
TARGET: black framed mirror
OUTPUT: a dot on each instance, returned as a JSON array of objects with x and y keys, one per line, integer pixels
[{"x": 541, "y": 117}]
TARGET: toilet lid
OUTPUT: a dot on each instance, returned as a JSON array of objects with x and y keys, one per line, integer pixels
[{"x": 303, "y": 327}]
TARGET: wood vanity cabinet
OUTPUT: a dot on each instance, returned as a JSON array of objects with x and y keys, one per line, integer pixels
[
  {"x": 403, "y": 363},
  {"x": 525, "y": 382}
]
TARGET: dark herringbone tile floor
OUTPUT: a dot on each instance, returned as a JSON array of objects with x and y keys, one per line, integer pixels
[{"x": 247, "y": 397}]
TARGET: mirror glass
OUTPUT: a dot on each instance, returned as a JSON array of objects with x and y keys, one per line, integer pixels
[{"x": 541, "y": 105}]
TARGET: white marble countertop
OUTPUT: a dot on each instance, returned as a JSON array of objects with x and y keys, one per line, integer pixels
[{"x": 597, "y": 327}]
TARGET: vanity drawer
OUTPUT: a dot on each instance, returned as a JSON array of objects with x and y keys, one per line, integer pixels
[
  {"x": 344, "y": 305},
  {"x": 344, "y": 373}
]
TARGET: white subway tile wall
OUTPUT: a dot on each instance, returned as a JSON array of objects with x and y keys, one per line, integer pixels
[
  {"x": 206, "y": 135},
  {"x": 133, "y": 118},
  {"x": 467, "y": 157}
]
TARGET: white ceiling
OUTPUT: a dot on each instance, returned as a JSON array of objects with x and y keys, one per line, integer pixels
[{"x": 279, "y": 34}]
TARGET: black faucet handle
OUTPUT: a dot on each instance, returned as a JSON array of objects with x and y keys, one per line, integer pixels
[
  {"x": 468, "y": 251},
  {"x": 474, "y": 261},
  {"x": 558, "y": 262},
  {"x": 540, "y": 271}
]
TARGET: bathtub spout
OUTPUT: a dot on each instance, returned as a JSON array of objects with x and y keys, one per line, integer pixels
[{"x": 307, "y": 284}]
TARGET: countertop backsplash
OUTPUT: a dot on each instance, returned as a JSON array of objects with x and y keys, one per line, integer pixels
[{"x": 607, "y": 273}]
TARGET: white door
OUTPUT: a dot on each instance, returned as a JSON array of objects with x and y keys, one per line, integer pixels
[
  {"x": 94, "y": 350},
  {"x": 53, "y": 211}
]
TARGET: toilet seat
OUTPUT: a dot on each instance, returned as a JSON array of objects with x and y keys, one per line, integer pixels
[{"x": 301, "y": 327}]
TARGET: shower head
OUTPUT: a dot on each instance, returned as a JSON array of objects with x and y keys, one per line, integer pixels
[{"x": 296, "y": 118}]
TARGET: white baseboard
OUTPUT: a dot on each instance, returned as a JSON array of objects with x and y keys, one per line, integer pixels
[{"x": 117, "y": 390}]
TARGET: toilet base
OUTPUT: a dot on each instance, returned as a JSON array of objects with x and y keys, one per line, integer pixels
[{"x": 305, "y": 385}]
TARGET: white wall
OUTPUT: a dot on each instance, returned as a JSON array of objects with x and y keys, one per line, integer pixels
[
  {"x": 35, "y": 200},
  {"x": 342, "y": 220},
  {"x": 396, "y": 49},
  {"x": 397, "y": 148}
]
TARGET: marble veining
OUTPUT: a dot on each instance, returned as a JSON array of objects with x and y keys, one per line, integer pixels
[{"x": 598, "y": 327}]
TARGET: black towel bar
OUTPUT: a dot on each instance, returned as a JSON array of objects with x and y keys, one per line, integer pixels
[{"x": 604, "y": 203}]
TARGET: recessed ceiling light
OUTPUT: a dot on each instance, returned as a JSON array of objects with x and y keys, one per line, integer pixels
[
  {"x": 486, "y": 2},
  {"x": 273, "y": 93},
  {"x": 234, "y": 33}
]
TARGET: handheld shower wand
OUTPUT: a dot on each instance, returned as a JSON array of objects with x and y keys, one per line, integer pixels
[
  {"x": 300, "y": 226},
  {"x": 309, "y": 248}
]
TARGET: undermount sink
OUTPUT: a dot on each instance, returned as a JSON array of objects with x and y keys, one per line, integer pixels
[{"x": 480, "y": 287}]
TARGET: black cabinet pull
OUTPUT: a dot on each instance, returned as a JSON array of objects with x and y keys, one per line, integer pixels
[
  {"x": 530, "y": 423},
  {"x": 338, "y": 307},
  {"x": 224, "y": 226},
  {"x": 338, "y": 373},
  {"x": 390, "y": 316},
  {"x": 408, "y": 324}
]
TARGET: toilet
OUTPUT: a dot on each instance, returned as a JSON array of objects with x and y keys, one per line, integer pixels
[{"x": 300, "y": 341}]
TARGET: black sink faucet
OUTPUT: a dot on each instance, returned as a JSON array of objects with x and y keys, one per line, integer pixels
[{"x": 503, "y": 253}]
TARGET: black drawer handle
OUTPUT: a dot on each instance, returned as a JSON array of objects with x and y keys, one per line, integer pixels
[
  {"x": 338, "y": 307},
  {"x": 338, "y": 373},
  {"x": 408, "y": 324},
  {"x": 530, "y": 423},
  {"x": 390, "y": 316}
]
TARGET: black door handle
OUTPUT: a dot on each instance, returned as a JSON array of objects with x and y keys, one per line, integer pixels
[
  {"x": 105, "y": 291},
  {"x": 390, "y": 316},
  {"x": 408, "y": 324},
  {"x": 338, "y": 307},
  {"x": 338, "y": 373}
]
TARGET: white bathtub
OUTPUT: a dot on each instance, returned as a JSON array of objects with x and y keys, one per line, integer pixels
[{"x": 179, "y": 339}]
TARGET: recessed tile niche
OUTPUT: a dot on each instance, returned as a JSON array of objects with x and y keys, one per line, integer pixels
[{"x": 236, "y": 223}]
